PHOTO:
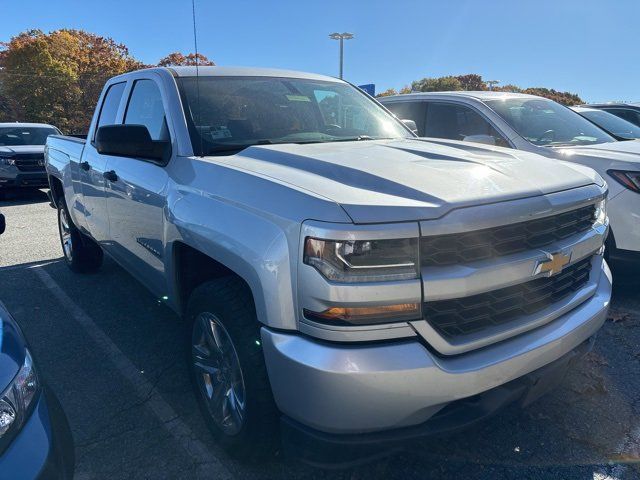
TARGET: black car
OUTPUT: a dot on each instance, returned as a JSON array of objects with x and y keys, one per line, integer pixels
[
  {"x": 35, "y": 439},
  {"x": 627, "y": 111},
  {"x": 616, "y": 126}
]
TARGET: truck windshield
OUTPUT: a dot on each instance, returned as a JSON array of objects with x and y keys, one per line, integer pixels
[
  {"x": 13, "y": 136},
  {"x": 547, "y": 123},
  {"x": 233, "y": 113}
]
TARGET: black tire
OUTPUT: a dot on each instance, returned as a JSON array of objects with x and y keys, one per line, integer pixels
[
  {"x": 230, "y": 301},
  {"x": 81, "y": 254}
]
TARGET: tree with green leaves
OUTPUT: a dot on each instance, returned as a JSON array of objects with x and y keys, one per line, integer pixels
[
  {"x": 439, "y": 84},
  {"x": 565, "y": 98}
]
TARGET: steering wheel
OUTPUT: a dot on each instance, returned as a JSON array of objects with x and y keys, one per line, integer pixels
[{"x": 549, "y": 135}]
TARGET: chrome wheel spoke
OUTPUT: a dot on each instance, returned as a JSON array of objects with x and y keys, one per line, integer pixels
[
  {"x": 236, "y": 408},
  {"x": 206, "y": 365}
]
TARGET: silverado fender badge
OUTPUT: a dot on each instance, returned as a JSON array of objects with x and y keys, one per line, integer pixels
[{"x": 554, "y": 263}]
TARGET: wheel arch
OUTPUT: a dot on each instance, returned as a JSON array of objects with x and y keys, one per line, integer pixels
[
  {"x": 191, "y": 267},
  {"x": 57, "y": 190}
]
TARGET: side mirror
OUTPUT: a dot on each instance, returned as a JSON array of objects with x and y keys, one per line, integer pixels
[
  {"x": 410, "y": 124},
  {"x": 2, "y": 224},
  {"x": 131, "y": 141},
  {"x": 486, "y": 139}
]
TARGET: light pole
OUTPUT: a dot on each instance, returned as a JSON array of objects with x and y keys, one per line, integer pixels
[
  {"x": 491, "y": 83},
  {"x": 342, "y": 37}
]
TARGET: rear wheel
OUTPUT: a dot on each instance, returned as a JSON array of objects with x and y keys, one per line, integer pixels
[
  {"x": 228, "y": 369},
  {"x": 81, "y": 253}
]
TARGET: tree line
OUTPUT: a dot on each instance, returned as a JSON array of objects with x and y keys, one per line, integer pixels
[
  {"x": 57, "y": 77},
  {"x": 474, "y": 82}
]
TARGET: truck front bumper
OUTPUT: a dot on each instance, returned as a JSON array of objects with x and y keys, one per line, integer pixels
[{"x": 382, "y": 393}]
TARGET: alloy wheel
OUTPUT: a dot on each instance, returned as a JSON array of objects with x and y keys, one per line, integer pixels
[
  {"x": 218, "y": 373},
  {"x": 65, "y": 234}
]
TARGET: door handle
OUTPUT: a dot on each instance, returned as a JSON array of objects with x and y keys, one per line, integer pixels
[
  {"x": 85, "y": 166},
  {"x": 111, "y": 176}
]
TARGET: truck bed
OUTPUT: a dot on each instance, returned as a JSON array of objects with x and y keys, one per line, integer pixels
[{"x": 60, "y": 151}]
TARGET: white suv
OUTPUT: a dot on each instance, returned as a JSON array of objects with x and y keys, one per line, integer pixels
[{"x": 539, "y": 125}]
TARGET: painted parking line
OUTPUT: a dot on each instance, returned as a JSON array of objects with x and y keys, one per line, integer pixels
[{"x": 155, "y": 403}]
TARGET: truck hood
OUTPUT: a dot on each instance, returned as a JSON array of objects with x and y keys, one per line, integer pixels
[
  {"x": 22, "y": 149},
  {"x": 624, "y": 151},
  {"x": 407, "y": 180}
]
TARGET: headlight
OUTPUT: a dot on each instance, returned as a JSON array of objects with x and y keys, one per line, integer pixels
[
  {"x": 352, "y": 261},
  {"x": 630, "y": 180},
  {"x": 7, "y": 161},
  {"x": 16, "y": 400},
  {"x": 600, "y": 215}
]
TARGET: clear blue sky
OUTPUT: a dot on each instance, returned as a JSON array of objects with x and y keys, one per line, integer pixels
[{"x": 585, "y": 46}]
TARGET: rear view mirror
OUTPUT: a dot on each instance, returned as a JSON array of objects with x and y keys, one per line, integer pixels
[
  {"x": 410, "y": 124},
  {"x": 131, "y": 141},
  {"x": 2, "y": 224},
  {"x": 485, "y": 139}
]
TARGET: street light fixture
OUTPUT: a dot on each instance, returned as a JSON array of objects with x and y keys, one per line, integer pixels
[{"x": 342, "y": 37}]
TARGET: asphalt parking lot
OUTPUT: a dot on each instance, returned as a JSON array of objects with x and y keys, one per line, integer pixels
[{"x": 114, "y": 356}]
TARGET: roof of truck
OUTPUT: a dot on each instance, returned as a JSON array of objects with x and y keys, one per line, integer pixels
[{"x": 215, "y": 71}]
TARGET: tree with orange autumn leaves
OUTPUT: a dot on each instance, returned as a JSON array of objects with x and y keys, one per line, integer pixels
[{"x": 57, "y": 77}]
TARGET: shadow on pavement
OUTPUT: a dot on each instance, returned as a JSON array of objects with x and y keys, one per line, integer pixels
[
  {"x": 568, "y": 434},
  {"x": 22, "y": 196}
]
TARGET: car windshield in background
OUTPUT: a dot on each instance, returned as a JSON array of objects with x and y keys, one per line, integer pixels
[
  {"x": 612, "y": 124},
  {"x": 237, "y": 112},
  {"x": 547, "y": 123},
  {"x": 14, "y": 136}
]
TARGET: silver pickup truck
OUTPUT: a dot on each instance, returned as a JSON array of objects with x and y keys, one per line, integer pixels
[{"x": 349, "y": 286}]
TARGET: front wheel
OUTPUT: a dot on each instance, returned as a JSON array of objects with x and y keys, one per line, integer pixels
[
  {"x": 228, "y": 369},
  {"x": 81, "y": 253}
]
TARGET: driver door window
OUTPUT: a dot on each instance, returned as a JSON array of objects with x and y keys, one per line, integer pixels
[
  {"x": 455, "y": 122},
  {"x": 145, "y": 108}
]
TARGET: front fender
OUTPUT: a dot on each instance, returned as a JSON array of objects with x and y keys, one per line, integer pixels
[{"x": 255, "y": 246}]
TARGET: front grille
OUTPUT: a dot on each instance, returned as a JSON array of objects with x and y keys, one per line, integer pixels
[
  {"x": 29, "y": 162},
  {"x": 460, "y": 248},
  {"x": 462, "y": 316}
]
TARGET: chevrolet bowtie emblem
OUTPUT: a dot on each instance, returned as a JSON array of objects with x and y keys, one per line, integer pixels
[{"x": 553, "y": 264}]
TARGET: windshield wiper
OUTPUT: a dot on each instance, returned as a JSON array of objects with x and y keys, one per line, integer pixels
[
  {"x": 236, "y": 147},
  {"x": 360, "y": 138}
]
